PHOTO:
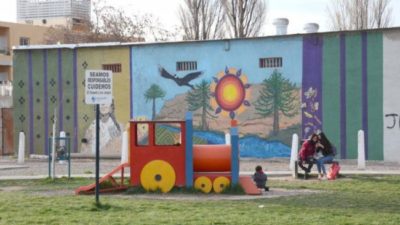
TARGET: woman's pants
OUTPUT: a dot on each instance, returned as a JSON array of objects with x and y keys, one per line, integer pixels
[
  {"x": 321, "y": 161},
  {"x": 310, "y": 161}
]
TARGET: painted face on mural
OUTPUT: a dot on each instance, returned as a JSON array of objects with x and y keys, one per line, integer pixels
[{"x": 105, "y": 109}]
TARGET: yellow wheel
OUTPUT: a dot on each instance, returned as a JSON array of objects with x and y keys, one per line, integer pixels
[
  {"x": 203, "y": 184},
  {"x": 158, "y": 175},
  {"x": 220, "y": 183}
]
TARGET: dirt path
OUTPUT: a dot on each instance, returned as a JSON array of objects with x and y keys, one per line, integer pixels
[{"x": 273, "y": 193}]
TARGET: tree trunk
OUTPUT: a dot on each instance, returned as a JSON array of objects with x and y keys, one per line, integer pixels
[
  {"x": 203, "y": 119},
  {"x": 275, "y": 125},
  {"x": 153, "y": 116}
]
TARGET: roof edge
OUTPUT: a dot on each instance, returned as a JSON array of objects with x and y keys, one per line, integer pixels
[{"x": 113, "y": 44}]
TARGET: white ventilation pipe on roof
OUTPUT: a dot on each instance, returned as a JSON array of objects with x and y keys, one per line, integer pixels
[
  {"x": 311, "y": 27},
  {"x": 281, "y": 25}
]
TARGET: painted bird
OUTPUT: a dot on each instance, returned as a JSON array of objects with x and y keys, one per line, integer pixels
[{"x": 184, "y": 81}]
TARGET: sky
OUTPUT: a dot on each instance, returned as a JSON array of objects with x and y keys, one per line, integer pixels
[{"x": 299, "y": 12}]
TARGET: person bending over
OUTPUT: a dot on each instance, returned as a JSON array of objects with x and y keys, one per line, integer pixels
[{"x": 260, "y": 178}]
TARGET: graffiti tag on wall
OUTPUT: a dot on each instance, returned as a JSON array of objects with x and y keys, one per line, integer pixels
[{"x": 393, "y": 118}]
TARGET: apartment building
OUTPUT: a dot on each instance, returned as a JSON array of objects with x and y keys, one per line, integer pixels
[{"x": 71, "y": 13}]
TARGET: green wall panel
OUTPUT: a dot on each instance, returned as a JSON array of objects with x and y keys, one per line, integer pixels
[
  {"x": 353, "y": 93},
  {"x": 52, "y": 84},
  {"x": 68, "y": 92},
  {"x": 20, "y": 96},
  {"x": 375, "y": 96},
  {"x": 38, "y": 110},
  {"x": 331, "y": 89}
]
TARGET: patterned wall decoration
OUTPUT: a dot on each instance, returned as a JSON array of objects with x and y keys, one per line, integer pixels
[
  {"x": 230, "y": 94},
  {"x": 311, "y": 94},
  {"x": 47, "y": 83}
]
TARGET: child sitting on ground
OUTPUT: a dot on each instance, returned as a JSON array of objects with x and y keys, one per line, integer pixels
[{"x": 260, "y": 178}]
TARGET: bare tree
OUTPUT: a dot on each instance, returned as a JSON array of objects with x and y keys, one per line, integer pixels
[
  {"x": 381, "y": 13},
  {"x": 65, "y": 35},
  {"x": 245, "y": 17},
  {"x": 111, "y": 24},
  {"x": 202, "y": 19},
  {"x": 359, "y": 14}
]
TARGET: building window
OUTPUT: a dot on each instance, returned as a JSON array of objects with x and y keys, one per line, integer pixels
[
  {"x": 24, "y": 41},
  {"x": 189, "y": 65},
  {"x": 270, "y": 62},
  {"x": 115, "y": 68}
]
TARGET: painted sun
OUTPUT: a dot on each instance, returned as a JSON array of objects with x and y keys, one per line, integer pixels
[{"x": 230, "y": 92}]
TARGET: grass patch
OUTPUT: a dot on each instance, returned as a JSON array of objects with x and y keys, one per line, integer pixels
[
  {"x": 100, "y": 207},
  {"x": 233, "y": 190},
  {"x": 351, "y": 200}
]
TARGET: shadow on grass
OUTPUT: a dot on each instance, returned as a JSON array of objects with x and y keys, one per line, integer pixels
[
  {"x": 98, "y": 206},
  {"x": 231, "y": 190}
]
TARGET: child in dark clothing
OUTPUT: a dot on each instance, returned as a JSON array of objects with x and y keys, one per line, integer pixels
[{"x": 260, "y": 178}]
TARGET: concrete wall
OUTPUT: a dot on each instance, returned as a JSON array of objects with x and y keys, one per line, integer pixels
[{"x": 391, "y": 106}]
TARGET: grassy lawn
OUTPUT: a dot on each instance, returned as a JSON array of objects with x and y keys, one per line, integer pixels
[{"x": 349, "y": 200}]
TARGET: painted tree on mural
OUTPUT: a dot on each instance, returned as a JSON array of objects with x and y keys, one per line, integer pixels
[
  {"x": 199, "y": 98},
  {"x": 277, "y": 96},
  {"x": 152, "y": 94}
]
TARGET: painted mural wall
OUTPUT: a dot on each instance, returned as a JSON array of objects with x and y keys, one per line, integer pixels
[
  {"x": 113, "y": 118},
  {"x": 343, "y": 90},
  {"x": 53, "y": 79},
  {"x": 338, "y": 83},
  {"x": 228, "y": 83}
]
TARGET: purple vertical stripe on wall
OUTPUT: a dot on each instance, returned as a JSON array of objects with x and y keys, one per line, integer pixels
[
  {"x": 364, "y": 90},
  {"x": 130, "y": 73},
  {"x": 343, "y": 118},
  {"x": 30, "y": 90},
  {"x": 312, "y": 85},
  {"x": 46, "y": 106},
  {"x": 75, "y": 83},
  {"x": 60, "y": 92}
]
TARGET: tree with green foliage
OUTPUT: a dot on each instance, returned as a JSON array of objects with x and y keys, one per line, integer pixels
[
  {"x": 277, "y": 95},
  {"x": 152, "y": 94},
  {"x": 199, "y": 98}
]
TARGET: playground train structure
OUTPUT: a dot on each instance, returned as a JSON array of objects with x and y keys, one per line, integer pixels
[{"x": 160, "y": 167}]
